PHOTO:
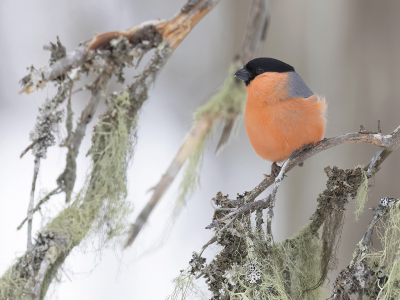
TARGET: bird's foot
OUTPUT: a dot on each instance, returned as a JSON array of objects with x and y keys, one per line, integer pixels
[{"x": 275, "y": 169}]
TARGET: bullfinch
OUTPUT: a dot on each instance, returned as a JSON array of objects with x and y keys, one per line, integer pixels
[{"x": 282, "y": 114}]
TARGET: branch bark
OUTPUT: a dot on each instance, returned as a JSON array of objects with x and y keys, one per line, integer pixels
[{"x": 32, "y": 203}]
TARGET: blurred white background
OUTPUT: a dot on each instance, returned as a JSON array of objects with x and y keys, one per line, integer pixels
[{"x": 347, "y": 51}]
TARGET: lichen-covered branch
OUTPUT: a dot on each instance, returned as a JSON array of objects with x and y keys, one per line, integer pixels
[
  {"x": 252, "y": 266},
  {"x": 366, "y": 274},
  {"x": 390, "y": 142},
  {"x": 100, "y": 209},
  {"x": 226, "y": 105}
]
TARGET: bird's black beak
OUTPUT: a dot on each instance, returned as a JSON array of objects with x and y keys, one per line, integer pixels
[{"x": 243, "y": 74}]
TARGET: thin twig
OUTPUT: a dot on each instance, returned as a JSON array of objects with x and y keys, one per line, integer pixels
[
  {"x": 44, "y": 266},
  {"x": 272, "y": 197},
  {"x": 39, "y": 204},
  {"x": 374, "y": 160},
  {"x": 68, "y": 119},
  {"x": 27, "y": 149},
  {"x": 247, "y": 208},
  {"x": 32, "y": 202},
  {"x": 256, "y": 33},
  {"x": 210, "y": 242}
]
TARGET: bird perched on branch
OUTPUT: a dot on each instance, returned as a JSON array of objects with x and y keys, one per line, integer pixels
[{"x": 282, "y": 113}]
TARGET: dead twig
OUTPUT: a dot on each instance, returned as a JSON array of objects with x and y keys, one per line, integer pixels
[
  {"x": 27, "y": 149},
  {"x": 31, "y": 203},
  {"x": 39, "y": 204}
]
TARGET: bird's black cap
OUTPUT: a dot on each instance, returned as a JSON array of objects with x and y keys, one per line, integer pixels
[{"x": 261, "y": 65}]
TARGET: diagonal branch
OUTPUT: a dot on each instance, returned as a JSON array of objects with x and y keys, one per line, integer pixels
[
  {"x": 390, "y": 142},
  {"x": 172, "y": 32},
  {"x": 229, "y": 102}
]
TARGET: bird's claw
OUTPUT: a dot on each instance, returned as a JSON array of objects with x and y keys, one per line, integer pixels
[{"x": 275, "y": 169}]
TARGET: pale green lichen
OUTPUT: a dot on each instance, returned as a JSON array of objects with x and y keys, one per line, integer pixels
[
  {"x": 102, "y": 199},
  {"x": 288, "y": 272},
  {"x": 99, "y": 212},
  {"x": 229, "y": 99},
  {"x": 389, "y": 235},
  {"x": 300, "y": 257},
  {"x": 185, "y": 287},
  {"x": 362, "y": 195}
]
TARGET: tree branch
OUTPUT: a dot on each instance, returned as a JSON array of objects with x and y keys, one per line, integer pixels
[
  {"x": 390, "y": 142},
  {"x": 208, "y": 117}
]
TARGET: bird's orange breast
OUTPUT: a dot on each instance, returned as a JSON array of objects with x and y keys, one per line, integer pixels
[{"x": 277, "y": 125}]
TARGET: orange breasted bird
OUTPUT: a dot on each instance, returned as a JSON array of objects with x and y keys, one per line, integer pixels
[{"x": 282, "y": 113}]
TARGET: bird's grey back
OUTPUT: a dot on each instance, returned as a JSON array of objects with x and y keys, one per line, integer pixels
[{"x": 297, "y": 87}]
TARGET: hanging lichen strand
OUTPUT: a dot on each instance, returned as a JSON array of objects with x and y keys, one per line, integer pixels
[
  {"x": 389, "y": 258},
  {"x": 251, "y": 266}
]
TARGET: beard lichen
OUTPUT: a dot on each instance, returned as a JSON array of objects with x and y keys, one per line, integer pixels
[
  {"x": 229, "y": 100},
  {"x": 389, "y": 257},
  {"x": 101, "y": 201},
  {"x": 99, "y": 212},
  {"x": 185, "y": 287},
  {"x": 362, "y": 195}
]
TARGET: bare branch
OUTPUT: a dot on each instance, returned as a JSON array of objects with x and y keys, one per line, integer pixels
[
  {"x": 39, "y": 204},
  {"x": 27, "y": 149},
  {"x": 32, "y": 202},
  {"x": 196, "y": 134},
  {"x": 256, "y": 30}
]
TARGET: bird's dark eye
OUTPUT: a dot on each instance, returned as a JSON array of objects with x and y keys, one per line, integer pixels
[{"x": 259, "y": 71}]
